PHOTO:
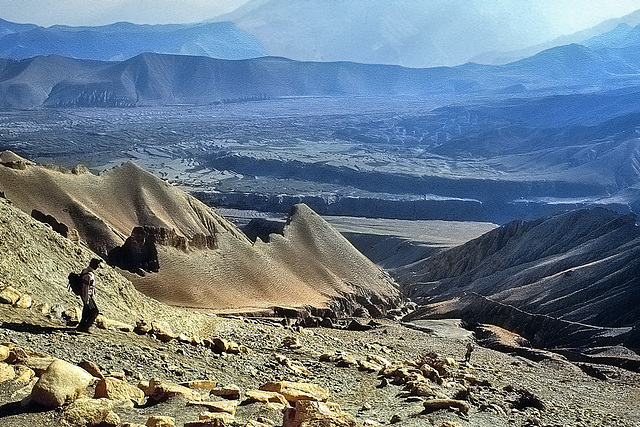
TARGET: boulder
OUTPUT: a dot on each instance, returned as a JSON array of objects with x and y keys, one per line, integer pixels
[
  {"x": 201, "y": 384},
  {"x": 118, "y": 390},
  {"x": 231, "y": 392},
  {"x": 160, "y": 421},
  {"x": 23, "y": 374},
  {"x": 163, "y": 331},
  {"x": 216, "y": 418},
  {"x": 104, "y": 323},
  {"x": 61, "y": 383},
  {"x": 92, "y": 368},
  {"x": 291, "y": 342},
  {"x": 437, "y": 404},
  {"x": 4, "y": 353},
  {"x": 142, "y": 327},
  {"x": 226, "y": 406},
  {"x": 90, "y": 412},
  {"x": 220, "y": 345},
  {"x": 25, "y": 301},
  {"x": 9, "y": 295},
  {"x": 7, "y": 373},
  {"x": 161, "y": 391},
  {"x": 266, "y": 397},
  {"x": 309, "y": 413},
  {"x": 295, "y": 391}
]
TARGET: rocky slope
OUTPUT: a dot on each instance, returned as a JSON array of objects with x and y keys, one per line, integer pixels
[
  {"x": 568, "y": 280},
  {"x": 192, "y": 366},
  {"x": 177, "y": 250}
]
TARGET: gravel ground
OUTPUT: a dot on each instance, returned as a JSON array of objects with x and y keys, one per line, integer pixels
[{"x": 568, "y": 397}]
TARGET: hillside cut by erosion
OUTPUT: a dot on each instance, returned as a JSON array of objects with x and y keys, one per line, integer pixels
[
  {"x": 569, "y": 282},
  {"x": 147, "y": 363},
  {"x": 179, "y": 251}
]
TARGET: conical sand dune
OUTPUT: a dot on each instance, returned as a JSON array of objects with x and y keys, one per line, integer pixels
[{"x": 311, "y": 264}]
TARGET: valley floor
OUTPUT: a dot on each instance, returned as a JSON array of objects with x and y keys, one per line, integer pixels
[{"x": 501, "y": 389}]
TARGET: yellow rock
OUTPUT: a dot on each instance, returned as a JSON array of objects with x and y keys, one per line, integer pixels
[
  {"x": 313, "y": 413},
  {"x": 61, "y": 383},
  {"x": 9, "y": 295},
  {"x": 266, "y": 397},
  {"x": 295, "y": 391},
  {"x": 89, "y": 412},
  {"x": 4, "y": 353},
  {"x": 7, "y": 373},
  {"x": 25, "y": 301},
  {"x": 160, "y": 421},
  {"x": 118, "y": 390},
  {"x": 201, "y": 384},
  {"x": 227, "y": 406}
]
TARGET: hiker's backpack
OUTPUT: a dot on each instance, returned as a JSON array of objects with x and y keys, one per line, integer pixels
[{"x": 75, "y": 283}]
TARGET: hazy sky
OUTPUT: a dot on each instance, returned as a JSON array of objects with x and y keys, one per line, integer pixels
[{"x": 566, "y": 16}]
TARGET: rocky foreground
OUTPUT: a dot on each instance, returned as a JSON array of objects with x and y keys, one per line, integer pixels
[{"x": 257, "y": 372}]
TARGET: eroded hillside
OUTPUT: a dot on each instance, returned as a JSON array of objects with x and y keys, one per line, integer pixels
[{"x": 188, "y": 255}]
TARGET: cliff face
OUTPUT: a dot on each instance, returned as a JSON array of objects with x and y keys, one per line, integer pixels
[{"x": 577, "y": 268}]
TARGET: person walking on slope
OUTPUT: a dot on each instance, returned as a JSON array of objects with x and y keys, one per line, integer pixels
[{"x": 89, "y": 308}]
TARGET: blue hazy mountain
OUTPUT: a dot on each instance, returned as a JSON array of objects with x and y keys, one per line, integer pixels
[
  {"x": 157, "y": 79},
  {"x": 398, "y": 32},
  {"x": 7, "y": 27},
  {"x": 124, "y": 40}
]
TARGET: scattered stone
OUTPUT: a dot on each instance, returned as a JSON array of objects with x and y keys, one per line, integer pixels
[
  {"x": 61, "y": 383},
  {"x": 328, "y": 357},
  {"x": 25, "y": 302},
  {"x": 253, "y": 423},
  {"x": 291, "y": 342},
  {"x": 449, "y": 424},
  {"x": 220, "y": 345},
  {"x": 371, "y": 423},
  {"x": 118, "y": 375},
  {"x": 308, "y": 413},
  {"x": 437, "y": 404},
  {"x": 297, "y": 367},
  {"x": 201, "y": 385},
  {"x": 4, "y": 353},
  {"x": 23, "y": 374},
  {"x": 92, "y": 368},
  {"x": 231, "y": 392},
  {"x": 295, "y": 391},
  {"x": 396, "y": 418},
  {"x": 9, "y": 295},
  {"x": 160, "y": 421},
  {"x": 161, "y": 391},
  {"x": 364, "y": 365},
  {"x": 7, "y": 373},
  {"x": 266, "y": 397},
  {"x": 227, "y": 406},
  {"x": 118, "y": 390},
  {"x": 142, "y": 327},
  {"x": 104, "y": 323},
  {"x": 219, "y": 418},
  {"x": 90, "y": 412},
  {"x": 344, "y": 361},
  {"x": 162, "y": 331},
  {"x": 378, "y": 360}
]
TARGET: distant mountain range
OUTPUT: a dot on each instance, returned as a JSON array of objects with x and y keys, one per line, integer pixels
[
  {"x": 154, "y": 79},
  {"x": 123, "y": 40}
]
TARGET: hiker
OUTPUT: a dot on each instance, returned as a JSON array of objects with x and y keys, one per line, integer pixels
[
  {"x": 89, "y": 308},
  {"x": 467, "y": 357}
]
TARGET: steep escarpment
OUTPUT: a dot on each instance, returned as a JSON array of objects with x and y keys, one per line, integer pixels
[
  {"x": 574, "y": 271},
  {"x": 179, "y": 251}
]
